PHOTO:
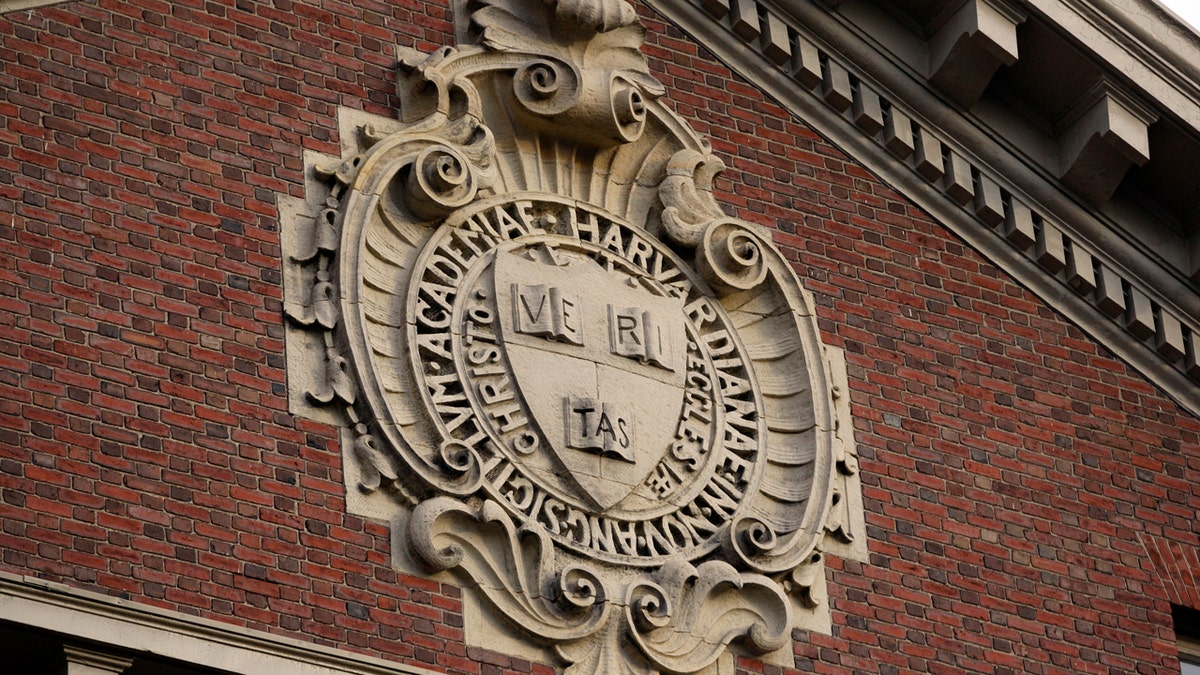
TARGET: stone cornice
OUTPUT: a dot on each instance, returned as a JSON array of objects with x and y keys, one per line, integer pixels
[
  {"x": 899, "y": 82},
  {"x": 136, "y": 628},
  {"x": 1143, "y": 41},
  {"x": 989, "y": 193}
]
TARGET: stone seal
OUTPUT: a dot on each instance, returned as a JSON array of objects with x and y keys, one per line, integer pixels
[{"x": 600, "y": 381}]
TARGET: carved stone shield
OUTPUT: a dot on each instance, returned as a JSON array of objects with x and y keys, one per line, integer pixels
[
  {"x": 564, "y": 373},
  {"x": 599, "y": 358}
]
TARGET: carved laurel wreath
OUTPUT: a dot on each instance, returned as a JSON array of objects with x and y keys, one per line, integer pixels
[{"x": 543, "y": 149}]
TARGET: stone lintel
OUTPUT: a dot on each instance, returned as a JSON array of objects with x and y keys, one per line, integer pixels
[
  {"x": 1104, "y": 134},
  {"x": 89, "y": 661},
  {"x": 970, "y": 45},
  {"x": 120, "y": 627}
]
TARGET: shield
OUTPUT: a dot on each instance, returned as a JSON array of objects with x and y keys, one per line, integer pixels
[{"x": 600, "y": 361}]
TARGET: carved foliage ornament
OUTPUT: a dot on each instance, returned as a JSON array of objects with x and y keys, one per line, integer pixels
[{"x": 589, "y": 393}]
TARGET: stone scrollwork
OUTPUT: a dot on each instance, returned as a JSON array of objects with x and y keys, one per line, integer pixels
[
  {"x": 514, "y": 566},
  {"x": 689, "y": 206},
  {"x": 730, "y": 256},
  {"x": 547, "y": 87},
  {"x": 567, "y": 376},
  {"x": 686, "y": 618},
  {"x": 439, "y": 182}
]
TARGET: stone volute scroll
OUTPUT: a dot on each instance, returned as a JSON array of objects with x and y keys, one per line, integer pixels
[{"x": 572, "y": 383}]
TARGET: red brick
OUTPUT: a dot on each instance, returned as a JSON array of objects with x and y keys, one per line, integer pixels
[{"x": 1012, "y": 468}]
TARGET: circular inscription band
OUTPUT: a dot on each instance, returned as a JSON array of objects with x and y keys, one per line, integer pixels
[{"x": 593, "y": 376}]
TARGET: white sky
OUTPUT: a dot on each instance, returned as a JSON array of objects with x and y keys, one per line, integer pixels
[{"x": 1188, "y": 10}]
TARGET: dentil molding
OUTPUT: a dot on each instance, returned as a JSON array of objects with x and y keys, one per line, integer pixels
[{"x": 877, "y": 110}]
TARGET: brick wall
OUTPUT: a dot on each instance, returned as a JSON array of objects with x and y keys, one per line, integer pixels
[{"x": 1032, "y": 502}]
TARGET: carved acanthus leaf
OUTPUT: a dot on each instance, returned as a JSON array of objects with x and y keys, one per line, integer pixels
[
  {"x": 440, "y": 180},
  {"x": 341, "y": 173},
  {"x": 601, "y": 35},
  {"x": 689, "y": 206},
  {"x": 501, "y": 24},
  {"x": 605, "y": 652},
  {"x": 599, "y": 16},
  {"x": 683, "y": 622},
  {"x": 431, "y": 89},
  {"x": 515, "y": 567}
]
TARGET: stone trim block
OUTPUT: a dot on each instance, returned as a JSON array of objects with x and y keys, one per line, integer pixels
[
  {"x": 970, "y": 44},
  {"x": 1100, "y": 138}
]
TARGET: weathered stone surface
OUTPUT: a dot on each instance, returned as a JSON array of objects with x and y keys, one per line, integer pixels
[{"x": 571, "y": 381}]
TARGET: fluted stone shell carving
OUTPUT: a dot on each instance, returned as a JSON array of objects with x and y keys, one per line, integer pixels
[{"x": 573, "y": 382}]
